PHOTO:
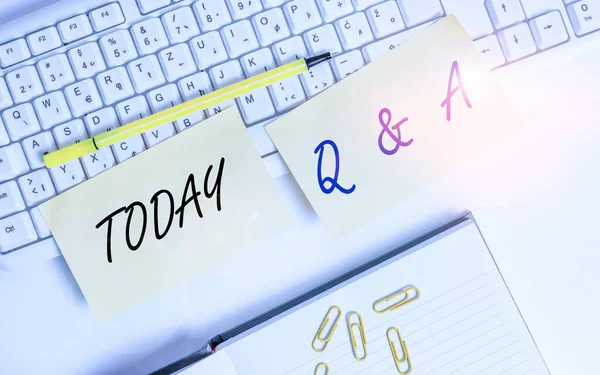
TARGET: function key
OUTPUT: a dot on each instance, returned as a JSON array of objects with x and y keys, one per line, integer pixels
[
  {"x": 75, "y": 28},
  {"x": 147, "y": 6},
  {"x": 108, "y": 16},
  {"x": 14, "y": 52},
  {"x": 44, "y": 40}
]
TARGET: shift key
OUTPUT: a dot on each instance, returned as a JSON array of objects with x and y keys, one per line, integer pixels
[{"x": 16, "y": 231}]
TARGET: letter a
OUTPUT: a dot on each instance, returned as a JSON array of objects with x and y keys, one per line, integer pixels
[{"x": 451, "y": 91}]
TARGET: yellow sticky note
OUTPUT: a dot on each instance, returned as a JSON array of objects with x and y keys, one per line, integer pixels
[
  {"x": 388, "y": 130},
  {"x": 167, "y": 214}
]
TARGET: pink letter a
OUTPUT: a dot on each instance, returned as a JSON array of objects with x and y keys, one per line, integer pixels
[{"x": 451, "y": 91}]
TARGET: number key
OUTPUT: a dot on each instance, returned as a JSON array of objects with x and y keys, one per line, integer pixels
[
  {"x": 118, "y": 48},
  {"x": 24, "y": 84},
  {"x": 244, "y": 8},
  {"x": 211, "y": 14},
  {"x": 87, "y": 60},
  {"x": 180, "y": 25},
  {"x": 149, "y": 36},
  {"x": 56, "y": 72}
]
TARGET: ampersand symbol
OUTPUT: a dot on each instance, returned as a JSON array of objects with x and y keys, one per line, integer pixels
[
  {"x": 331, "y": 181},
  {"x": 385, "y": 118}
]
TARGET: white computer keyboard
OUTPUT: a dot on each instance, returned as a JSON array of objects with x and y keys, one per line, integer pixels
[{"x": 177, "y": 50}]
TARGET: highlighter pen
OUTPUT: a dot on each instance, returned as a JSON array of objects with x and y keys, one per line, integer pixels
[{"x": 211, "y": 99}]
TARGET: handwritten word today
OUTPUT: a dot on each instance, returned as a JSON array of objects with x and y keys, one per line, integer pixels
[
  {"x": 393, "y": 133},
  {"x": 189, "y": 195}
]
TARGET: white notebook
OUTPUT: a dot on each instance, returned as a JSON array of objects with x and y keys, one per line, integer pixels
[{"x": 464, "y": 321}]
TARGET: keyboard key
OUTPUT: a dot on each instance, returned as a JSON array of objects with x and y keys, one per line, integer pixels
[
  {"x": 585, "y": 16},
  {"x": 208, "y": 50},
  {"x": 146, "y": 73},
  {"x": 75, "y": 28},
  {"x": 472, "y": 15},
  {"x": 14, "y": 52},
  {"x": 195, "y": 86},
  {"x": 36, "y": 187},
  {"x": 302, "y": 14},
  {"x": 490, "y": 50},
  {"x": 270, "y": 26},
  {"x": 12, "y": 162},
  {"x": 52, "y": 109},
  {"x": 133, "y": 109},
  {"x": 16, "y": 231},
  {"x": 287, "y": 94},
  {"x": 272, "y": 3},
  {"x": 147, "y": 6},
  {"x": 226, "y": 74},
  {"x": 375, "y": 50},
  {"x": 40, "y": 223},
  {"x": 385, "y": 19},
  {"x": 505, "y": 12},
  {"x": 257, "y": 62},
  {"x": 416, "y": 12},
  {"x": 211, "y": 14},
  {"x": 317, "y": 79},
  {"x": 83, "y": 97},
  {"x": 160, "y": 99},
  {"x": 106, "y": 17},
  {"x": 363, "y": 4},
  {"x": 56, "y": 72},
  {"x": 118, "y": 48},
  {"x": 149, "y": 36},
  {"x": 115, "y": 85},
  {"x": 86, "y": 60},
  {"x": 4, "y": 138},
  {"x": 67, "y": 175},
  {"x": 239, "y": 38},
  {"x": 549, "y": 30},
  {"x": 24, "y": 84},
  {"x": 37, "y": 146},
  {"x": 128, "y": 148},
  {"x": 180, "y": 25},
  {"x": 517, "y": 42},
  {"x": 101, "y": 121},
  {"x": 354, "y": 31},
  {"x": 70, "y": 133},
  {"x": 244, "y": 8},
  {"x": 347, "y": 64},
  {"x": 98, "y": 162},
  {"x": 5, "y": 98},
  {"x": 334, "y": 9},
  {"x": 11, "y": 200},
  {"x": 169, "y": 96},
  {"x": 177, "y": 61},
  {"x": 44, "y": 40},
  {"x": 289, "y": 50},
  {"x": 21, "y": 121},
  {"x": 323, "y": 39},
  {"x": 256, "y": 106}
]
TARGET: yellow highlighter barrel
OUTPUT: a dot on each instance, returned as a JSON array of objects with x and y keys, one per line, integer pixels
[{"x": 209, "y": 100}]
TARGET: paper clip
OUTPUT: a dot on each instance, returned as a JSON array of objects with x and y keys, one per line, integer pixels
[
  {"x": 363, "y": 338},
  {"x": 325, "y": 340},
  {"x": 324, "y": 365},
  {"x": 406, "y": 299},
  {"x": 405, "y": 357}
]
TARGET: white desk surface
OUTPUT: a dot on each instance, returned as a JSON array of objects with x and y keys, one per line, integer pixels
[{"x": 535, "y": 196}]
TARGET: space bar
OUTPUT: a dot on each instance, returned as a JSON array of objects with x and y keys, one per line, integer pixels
[{"x": 38, "y": 252}]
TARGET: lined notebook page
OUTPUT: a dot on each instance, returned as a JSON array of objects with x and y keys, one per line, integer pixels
[{"x": 465, "y": 321}]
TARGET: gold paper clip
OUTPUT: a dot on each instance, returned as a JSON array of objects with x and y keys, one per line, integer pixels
[
  {"x": 405, "y": 357},
  {"x": 324, "y": 365},
  {"x": 361, "y": 330},
  {"x": 325, "y": 340},
  {"x": 406, "y": 299}
]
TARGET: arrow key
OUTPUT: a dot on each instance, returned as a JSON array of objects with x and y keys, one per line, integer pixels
[
  {"x": 549, "y": 30},
  {"x": 517, "y": 42},
  {"x": 505, "y": 12},
  {"x": 490, "y": 50},
  {"x": 36, "y": 187}
]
